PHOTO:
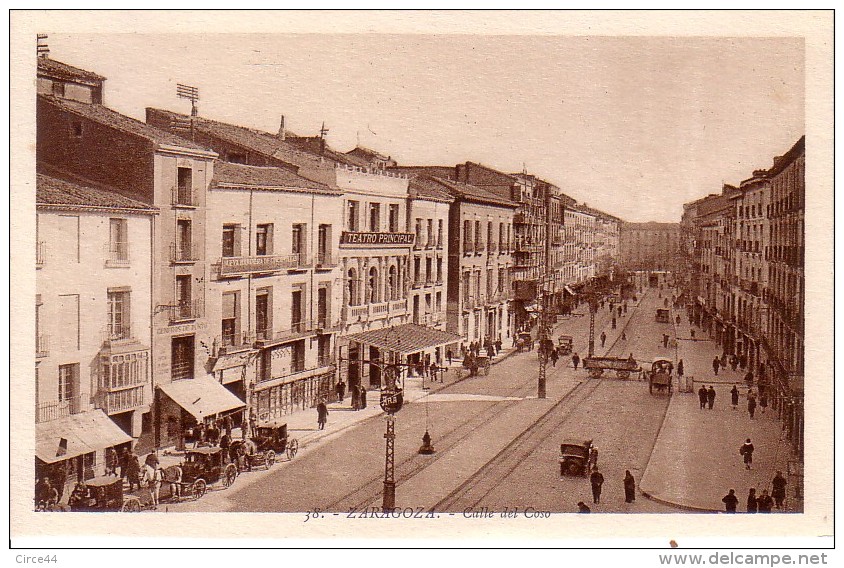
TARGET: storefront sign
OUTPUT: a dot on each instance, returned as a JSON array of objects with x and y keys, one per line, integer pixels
[
  {"x": 182, "y": 328},
  {"x": 377, "y": 239},
  {"x": 248, "y": 264}
]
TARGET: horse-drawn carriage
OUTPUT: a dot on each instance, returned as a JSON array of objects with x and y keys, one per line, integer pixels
[
  {"x": 659, "y": 377},
  {"x": 595, "y": 366},
  {"x": 203, "y": 467},
  {"x": 105, "y": 494},
  {"x": 271, "y": 438}
]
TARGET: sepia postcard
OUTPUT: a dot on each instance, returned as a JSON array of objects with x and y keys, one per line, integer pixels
[{"x": 426, "y": 279}]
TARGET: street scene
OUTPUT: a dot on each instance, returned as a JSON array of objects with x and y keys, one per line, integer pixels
[{"x": 232, "y": 317}]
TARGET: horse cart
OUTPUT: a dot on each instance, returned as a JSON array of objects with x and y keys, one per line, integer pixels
[
  {"x": 596, "y": 366},
  {"x": 203, "y": 467},
  {"x": 659, "y": 378},
  {"x": 271, "y": 439},
  {"x": 105, "y": 494}
]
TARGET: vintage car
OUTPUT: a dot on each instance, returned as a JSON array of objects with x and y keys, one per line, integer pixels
[
  {"x": 574, "y": 457},
  {"x": 564, "y": 344},
  {"x": 205, "y": 466},
  {"x": 663, "y": 316},
  {"x": 660, "y": 376}
]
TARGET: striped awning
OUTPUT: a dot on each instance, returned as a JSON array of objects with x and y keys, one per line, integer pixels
[{"x": 405, "y": 339}]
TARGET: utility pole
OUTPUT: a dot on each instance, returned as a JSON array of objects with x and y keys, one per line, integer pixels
[{"x": 192, "y": 94}]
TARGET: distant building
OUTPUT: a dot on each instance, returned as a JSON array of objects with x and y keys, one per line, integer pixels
[{"x": 649, "y": 246}]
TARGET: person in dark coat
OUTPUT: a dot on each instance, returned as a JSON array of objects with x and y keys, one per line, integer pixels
[
  {"x": 575, "y": 360},
  {"x": 716, "y": 364},
  {"x": 133, "y": 470},
  {"x": 734, "y": 397},
  {"x": 710, "y": 397},
  {"x": 778, "y": 489},
  {"x": 596, "y": 480},
  {"x": 322, "y": 414},
  {"x": 751, "y": 501},
  {"x": 702, "y": 396},
  {"x": 680, "y": 369},
  {"x": 747, "y": 451},
  {"x": 629, "y": 487},
  {"x": 730, "y": 501},
  {"x": 765, "y": 502},
  {"x": 748, "y": 378},
  {"x": 362, "y": 400},
  {"x": 751, "y": 404},
  {"x": 341, "y": 390},
  {"x": 124, "y": 455},
  {"x": 498, "y": 345},
  {"x": 603, "y": 338},
  {"x": 554, "y": 357},
  {"x": 450, "y": 356},
  {"x": 763, "y": 401}
]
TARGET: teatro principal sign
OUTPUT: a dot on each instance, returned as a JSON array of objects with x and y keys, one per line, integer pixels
[{"x": 377, "y": 239}]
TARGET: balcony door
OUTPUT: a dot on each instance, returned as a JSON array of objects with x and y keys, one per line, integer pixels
[{"x": 182, "y": 357}]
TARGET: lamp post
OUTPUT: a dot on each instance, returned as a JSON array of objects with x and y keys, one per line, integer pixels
[{"x": 392, "y": 399}]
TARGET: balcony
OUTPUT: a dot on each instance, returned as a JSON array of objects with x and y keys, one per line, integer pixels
[
  {"x": 183, "y": 253},
  {"x": 229, "y": 343},
  {"x": 55, "y": 409},
  {"x": 117, "y": 255},
  {"x": 325, "y": 260},
  {"x": 42, "y": 345},
  {"x": 377, "y": 310},
  {"x": 40, "y": 253},
  {"x": 183, "y": 197},
  {"x": 297, "y": 330},
  {"x": 187, "y": 310},
  {"x": 236, "y": 266},
  {"x": 122, "y": 400}
]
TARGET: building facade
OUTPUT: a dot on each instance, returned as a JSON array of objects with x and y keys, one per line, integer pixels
[{"x": 649, "y": 246}]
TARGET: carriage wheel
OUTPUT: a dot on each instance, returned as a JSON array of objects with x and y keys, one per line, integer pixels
[
  {"x": 595, "y": 373},
  {"x": 269, "y": 458},
  {"x": 229, "y": 475},
  {"x": 199, "y": 488},
  {"x": 292, "y": 448},
  {"x": 622, "y": 374},
  {"x": 131, "y": 505}
]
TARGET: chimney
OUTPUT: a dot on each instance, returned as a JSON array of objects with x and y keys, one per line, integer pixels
[{"x": 281, "y": 133}]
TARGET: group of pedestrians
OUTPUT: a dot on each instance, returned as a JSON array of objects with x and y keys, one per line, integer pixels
[
  {"x": 596, "y": 481},
  {"x": 706, "y": 397},
  {"x": 763, "y": 503}
]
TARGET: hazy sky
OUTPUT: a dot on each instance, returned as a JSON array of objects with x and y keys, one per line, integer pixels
[{"x": 632, "y": 126}]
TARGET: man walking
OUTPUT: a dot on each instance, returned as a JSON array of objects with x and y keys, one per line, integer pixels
[
  {"x": 702, "y": 396},
  {"x": 778, "y": 489},
  {"x": 575, "y": 360},
  {"x": 596, "y": 480},
  {"x": 603, "y": 338},
  {"x": 764, "y": 502},
  {"x": 341, "y": 390},
  {"x": 362, "y": 401},
  {"x": 746, "y": 450},
  {"x": 751, "y": 403},
  {"x": 322, "y": 414},
  {"x": 710, "y": 397},
  {"x": 734, "y": 397},
  {"x": 716, "y": 364},
  {"x": 629, "y": 487},
  {"x": 554, "y": 357},
  {"x": 730, "y": 501}
]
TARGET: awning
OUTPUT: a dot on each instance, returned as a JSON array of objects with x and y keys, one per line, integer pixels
[
  {"x": 406, "y": 338},
  {"x": 77, "y": 434},
  {"x": 569, "y": 290},
  {"x": 202, "y": 397}
]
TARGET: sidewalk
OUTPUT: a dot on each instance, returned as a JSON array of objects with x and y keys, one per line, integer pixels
[{"x": 695, "y": 460}]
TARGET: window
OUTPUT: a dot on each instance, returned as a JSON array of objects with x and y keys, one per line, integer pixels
[
  {"x": 183, "y": 296},
  {"x": 467, "y": 236},
  {"x": 298, "y": 239},
  {"x": 231, "y": 240},
  {"x": 354, "y": 287},
  {"x": 467, "y": 288},
  {"x": 417, "y": 270},
  {"x": 118, "y": 245},
  {"x": 439, "y": 270},
  {"x": 263, "y": 314},
  {"x": 296, "y": 307},
  {"x": 264, "y": 239},
  {"x": 429, "y": 271},
  {"x": 297, "y": 361},
  {"x": 322, "y": 307},
  {"x": 489, "y": 238},
  {"x": 68, "y": 382},
  {"x": 394, "y": 218},
  {"x": 69, "y": 322},
  {"x": 184, "y": 189},
  {"x": 375, "y": 217},
  {"x": 501, "y": 237},
  {"x": 372, "y": 295},
  {"x": 430, "y": 233},
  {"x": 439, "y": 304},
  {"x": 352, "y": 222},
  {"x": 58, "y": 88},
  {"x": 477, "y": 235},
  {"x": 230, "y": 318},
  {"x": 489, "y": 283},
  {"x": 418, "y": 233},
  {"x": 440, "y": 233},
  {"x": 237, "y": 157},
  {"x": 324, "y": 350},
  {"x": 393, "y": 283},
  {"x": 118, "y": 315},
  {"x": 324, "y": 245},
  {"x": 181, "y": 357}
]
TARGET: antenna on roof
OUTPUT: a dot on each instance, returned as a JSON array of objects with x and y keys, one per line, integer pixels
[
  {"x": 322, "y": 133},
  {"x": 192, "y": 94},
  {"x": 42, "y": 48}
]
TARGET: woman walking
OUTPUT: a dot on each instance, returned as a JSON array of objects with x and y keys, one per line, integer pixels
[
  {"x": 322, "y": 414},
  {"x": 629, "y": 487},
  {"x": 751, "y": 501}
]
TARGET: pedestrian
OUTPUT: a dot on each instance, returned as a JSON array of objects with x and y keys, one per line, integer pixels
[
  {"x": 133, "y": 470},
  {"x": 623, "y": 336},
  {"x": 746, "y": 450},
  {"x": 778, "y": 489},
  {"x": 341, "y": 390},
  {"x": 322, "y": 414},
  {"x": 583, "y": 507},
  {"x": 710, "y": 397},
  {"x": 123, "y": 462},
  {"x": 228, "y": 425},
  {"x": 434, "y": 370},
  {"x": 751, "y": 403},
  {"x": 149, "y": 481},
  {"x": 751, "y": 501},
  {"x": 253, "y": 423},
  {"x": 665, "y": 339},
  {"x": 554, "y": 357},
  {"x": 362, "y": 401},
  {"x": 724, "y": 360},
  {"x": 730, "y": 501},
  {"x": 355, "y": 397},
  {"x": 765, "y": 502},
  {"x": 702, "y": 396},
  {"x": 575, "y": 360},
  {"x": 734, "y": 397},
  {"x": 225, "y": 441},
  {"x": 596, "y": 480},
  {"x": 716, "y": 364},
  {"x": 175, "y": 478},
  {"x": 498, "y": 345},
  {"x": 763, "y": 400},
  {"x": 111, "y": 462},
  {"x": 680, "y": 369},
  {"x": 629, "y": 487},
  {"x": 449, "y": 356},
  {"x": 603, "y": 338},
  {"x": 619, "y": 311}
]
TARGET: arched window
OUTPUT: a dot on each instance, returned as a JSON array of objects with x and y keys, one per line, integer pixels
[
  {"x": 372, "y": 286},
  {"x": 353, "y": 287},
  {"x": 393, "y": 283}
]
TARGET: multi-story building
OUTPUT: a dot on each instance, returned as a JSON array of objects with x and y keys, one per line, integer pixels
[
  {"x": 68, "y": 82},
  {"x": 92, "y": 144},
  {"x": 273, "y": 295},
  {"x": 92, "y": 322},
  {"x": 649, "y": 246}
]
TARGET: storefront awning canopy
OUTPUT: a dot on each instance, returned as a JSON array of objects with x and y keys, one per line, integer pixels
[
  {"x": 201, "y": 397},
  {"x": 406, "y": 338},
  {"x": 570, "y": 291},
  {"x": 77, "y": 434}
]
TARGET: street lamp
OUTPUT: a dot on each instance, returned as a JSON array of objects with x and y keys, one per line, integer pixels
[{"x": 392, "y": 399}]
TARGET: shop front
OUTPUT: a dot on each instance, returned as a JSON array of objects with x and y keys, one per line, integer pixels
[{"x": 188, "y": 403}]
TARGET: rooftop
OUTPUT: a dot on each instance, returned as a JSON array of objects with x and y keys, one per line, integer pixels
[
  {"x": 470, "y": 192},
  {"x": 61, "y": 70},
  {"x": 227, "y": 173},
  {"x": 55, "y": 191},
  {"x": 108, "y": 117}
]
